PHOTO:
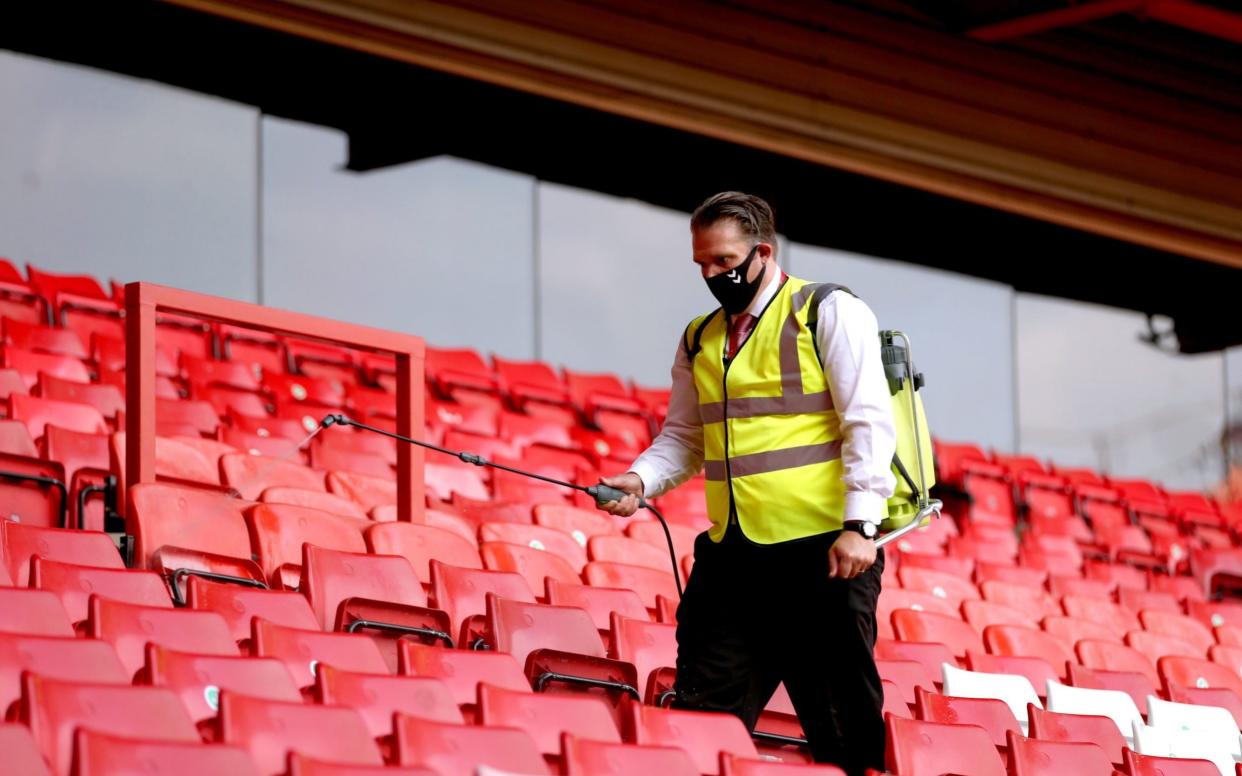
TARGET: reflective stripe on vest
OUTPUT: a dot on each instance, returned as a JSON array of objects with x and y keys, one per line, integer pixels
[{"x": 771, "y": 438}]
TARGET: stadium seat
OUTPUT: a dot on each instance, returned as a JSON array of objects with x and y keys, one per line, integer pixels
[
  {"x": 33, "y": 612},
  {"x": 1149, "y": 765},
  {"x": 647, "y": 646},
  {"x": 1215, "y": 614},
  {"x": 442, "y": 480},
  {"x": 1154, "y": 646},
  {"x": 1020, "y": 595},
  {"x": 21, "y": 753},
  {"x": 377, "y": 697},
  {"x": 1014, "y": 691},
  {"x": 544, "y": 717},
  {"x": 1229, "y": 656},
  {"x": 278, "y": 532},
  {"x": 1048, "y": 725},
  {"x": 991, "y": 714},
  {"x": 97, "y": 754},
  {"x": 1154, "y": 600},
  {"x": 1217, "y": 697},
  {"x": 271, "y": 730},
  {"x": 650, "y": 532},
  {"x": 1114, "y": 704},
  {"x": 703, "y": 735},
  {"x": 1108, "y": 656},
  {"x": 535, "y": 565},
  {"x": 239, "y": 605},
  {"x": 1031, "y": 757},
  {"x": 958, "y": 563},
  {"x": 648, "y": 583},
  {"x": 462, "y": 670},
  {"x": 910, "y": 625},
  {"x": 75, "y": 585},
  {"x": 1179, "y": 626},
  {"x": 554, "y": 643},
  {"x": 1194, "y": 672},
  {"x": 1019, "y": 641},
  {"x": 1036, "y": 670},
  {"x": 1137, "y": 685},
  {"x": 1185, "y": 716},
  {"x": 462, "y": 593},
  {"x": 462, "y": 750},
  {"x": 906, "y": 677},
  {"x": 419, "y": 544},
  {"x": 600, "y": 758},
  {"x": 1071, "y": 630},
  {"x": 129, "y": 628},
  {"x": 108, "y": 399},
  {"x": 64, "y": 658},
  {"x": 621, "y": 549},
  {"x": 917, "y": 748},
  {"x": 931, "y": 655},
  {"x": 302, "y": 651},
  {"x": 581, "y": 524},
  {"x": 199, "y": 679},
  {"x": 30, "y": 364},
  {"x": 537, "y": 538},
  {"x": 982, "y": 614},
  {"x": 19, "y": 543},
  {"x": 250, "y": 475},
  {"x": 364, "y": 490},
  {"x": 315, "y": 499},
  {"x": 166, "y": 515},
  {"x": 54, "y": 710},
  {"x": 1102, "y": 611},
  {"x": 599, "y": 602},
  {"x": 300, "y": 765},
  {"x": 1184, "y": 745}
]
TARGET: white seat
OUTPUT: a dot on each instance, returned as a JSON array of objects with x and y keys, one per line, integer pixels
[
  {"x": 1211, "y": 720},
  {"x": 1185, "y": 744},
  {"x": 1114, "y": 704},
  {"x": 1015, "y": 691}
]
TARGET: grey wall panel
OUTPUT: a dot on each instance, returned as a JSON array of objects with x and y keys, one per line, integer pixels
[
  {"x": 119, "y": 177},
  {"x": 1093, "y": 395},
  {"x": 959, "y": 327},
  {"x": 441, "y": 248}
]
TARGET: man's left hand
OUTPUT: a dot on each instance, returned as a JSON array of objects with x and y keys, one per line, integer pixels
[{"x": 850, "y": 555}]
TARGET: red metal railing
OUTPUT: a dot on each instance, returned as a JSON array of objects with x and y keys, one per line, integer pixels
[{"x": 144, "y": 300}]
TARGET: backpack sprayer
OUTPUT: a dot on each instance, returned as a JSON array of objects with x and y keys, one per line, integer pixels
[{"x": 601, "y": 493}]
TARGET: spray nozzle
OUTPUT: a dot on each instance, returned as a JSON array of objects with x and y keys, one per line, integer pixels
[{"x": 331, "y": 420}]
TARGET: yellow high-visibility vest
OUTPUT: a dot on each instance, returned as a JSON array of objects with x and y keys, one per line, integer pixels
[{"x": 771, "y": 438}]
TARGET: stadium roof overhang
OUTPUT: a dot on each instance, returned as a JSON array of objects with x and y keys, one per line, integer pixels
[{"x": 1100, "y": 161}]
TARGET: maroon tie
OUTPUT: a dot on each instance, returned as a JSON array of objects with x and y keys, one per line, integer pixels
[{"x": 739, "y": 329}]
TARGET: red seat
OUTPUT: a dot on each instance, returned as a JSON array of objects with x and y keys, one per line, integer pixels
[
  {"x": 278, "y": 532},
  {"x": 1105, "y": 612},
  {"x": 75, "y": 585},
  {"x": 199, "y": 679},
  {"x": 129, "y": 628},
  {"x": 648, "y": 583},
  {"x": 906, "y": 677},
  {"x": 300, "y": 765},
  {"x": 203, "y": 371},
  {"x": 1147, "y": 765},
  {"x": 166, "y": 515},
  {"x": 108, "y": 399},
  {"x": 620, "y": 549},
  {"x": 931, "y": 655},
  {"x": 419, "y": 544},
  {"x": 535, "y": 565},
  {"x": 1036, "y": 670},
  {"x": 377, "y": 697},
  {"x": 552, "y": 640},
  {"x": 702, "y": 735},
  {"x": 21, "y": 753},
  {"x": 1020, "y": 596},
  {"x": 304, "y": 389},
  {"x": 303, "y": 650},
  {"x": 250, "y": 475},
  {"x": 240, "y": 605},
  {"x": 1227, "y": 655},
  {"x": 959, "y": 637},
  {"x": 462, "y": 670},
  {"x": 1179, "y": 626},
  {"x": 527, "y": 381},
  {"x": 462, "y": 592},
  {"x": 1154, "y": 600},
  {"x": 19, "y": 543},
  {"x": 365, "y": 491},
  {"x": 538, "y": 538},
  {"x": 1061, "y": 585},
  {"x": 545, "y": 717},
  {"x": 1077, "y": 728},
  {"x": 1070, "y": 630},
  {"x": 1215, "y": 614},
  {"x": 271, "y": 730},
  {"x": 1194, "y": 672},
  {"x": 991, "y": 714},
  {"x": 315, "y": 499},
  {"x": 449, "y": 369},
  {"x": 32, "y": 612},
  {"x": 176, "y": 458},
  {"x": 459, "y": 750},
  {"x": 647, "y": 646},
  {"x": 96, "y": 754},
  {"x": 599, "y": 758},
  {"x": 1031, "y": 757},
  {"x": 1017, "y": 641},
  {"x": 53, "y": 710},
  {"x": 15, "y": 439},
  {"x": 1154, "y": 646},
  {"x": 30, "y": 364},
  {"x": 981, "y": 614},
  {"x": 1108, "y": 656},
  {"x": 1220, "y": 697},
  {"x": 917, "y": 748},
  {"x": 37, "y": 413},
  {"x": 67, "y": 658},
  {"x": 991, "y": 498},
  {"x": 959, "y": 563},
  {"x": 331, "y": 458},
  {"x": 444, "y": 480},
  {"x": 599, "y": 602}
]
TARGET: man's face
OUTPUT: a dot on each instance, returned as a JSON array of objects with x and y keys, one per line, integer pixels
[{"x": 722, "y": 246}]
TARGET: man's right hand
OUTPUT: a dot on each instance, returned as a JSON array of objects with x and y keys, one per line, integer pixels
[{"x": 633, "y": 487}]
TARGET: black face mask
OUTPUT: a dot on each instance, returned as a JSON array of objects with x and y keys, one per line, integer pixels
[{"x": 732, "y": 289}]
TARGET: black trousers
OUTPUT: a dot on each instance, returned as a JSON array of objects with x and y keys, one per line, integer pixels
[{"x": 756, "y": 615}]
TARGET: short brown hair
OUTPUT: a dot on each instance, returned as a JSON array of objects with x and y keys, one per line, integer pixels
[{"x": 751, "y": 214}]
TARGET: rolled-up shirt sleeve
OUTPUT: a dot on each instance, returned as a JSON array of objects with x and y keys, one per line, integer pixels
[
  {"x": 849, "y": 346},
  {"x": 676, "y": 454}
]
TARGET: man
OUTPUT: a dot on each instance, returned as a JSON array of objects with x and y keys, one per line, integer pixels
[{"x": 780, "y": 395}]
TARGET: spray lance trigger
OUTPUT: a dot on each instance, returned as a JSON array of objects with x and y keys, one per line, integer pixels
[{"x": 603, "y": 494}]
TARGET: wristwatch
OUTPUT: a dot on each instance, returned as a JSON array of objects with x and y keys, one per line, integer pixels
[{"x": 864, "y": 527}]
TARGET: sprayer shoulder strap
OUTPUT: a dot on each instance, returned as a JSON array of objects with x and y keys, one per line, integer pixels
[
  {"x": 692, "y": 341},
  {"x": 821, "y": 292}
]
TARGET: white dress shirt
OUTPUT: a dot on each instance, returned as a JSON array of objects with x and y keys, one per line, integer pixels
[{"x": 849, "y": 344}]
